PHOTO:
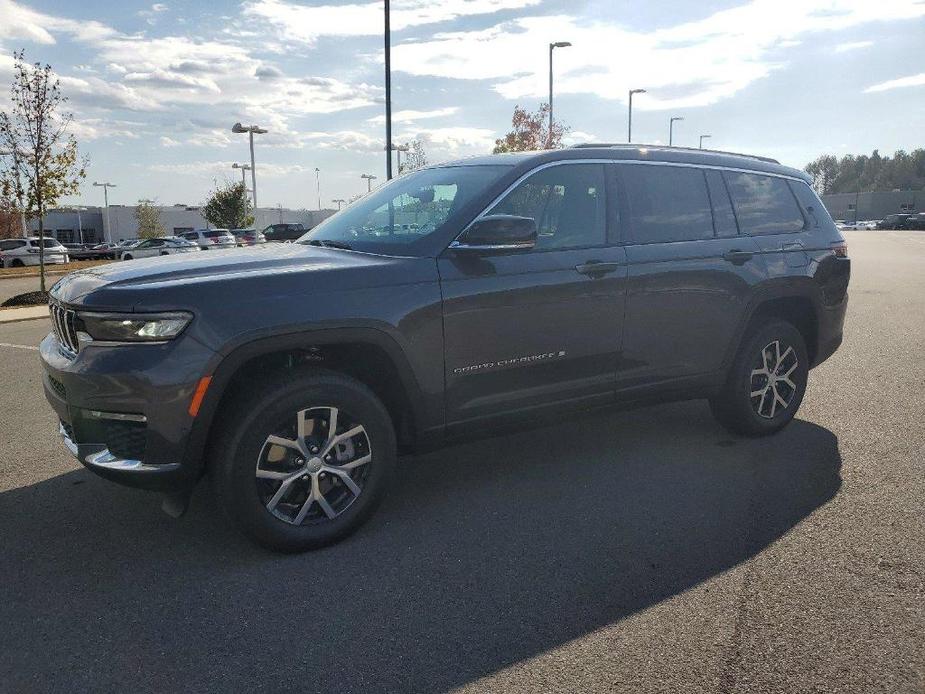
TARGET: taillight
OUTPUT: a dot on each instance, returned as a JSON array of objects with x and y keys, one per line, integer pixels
[{"x": 841, "y": 249}]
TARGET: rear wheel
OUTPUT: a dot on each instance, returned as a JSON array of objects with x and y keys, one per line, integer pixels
[
  {"x": 164, "y": 253},
  {"x": 767, "y": 381},
  {"x": 17, "y": 263},
  {"x": 127, "y": 256},
  {"x": 304, "y": 462}
]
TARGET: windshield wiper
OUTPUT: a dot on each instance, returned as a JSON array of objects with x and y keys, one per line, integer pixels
[{"x": 325, "y": 243}]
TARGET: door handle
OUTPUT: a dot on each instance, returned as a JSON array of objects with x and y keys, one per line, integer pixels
[
  {"x": 596, "y": 268},
  {"x": 737, "y": 257},
  {"x": 795, "y": 246}
]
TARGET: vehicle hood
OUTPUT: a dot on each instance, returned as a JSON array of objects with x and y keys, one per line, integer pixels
[{"x": 271, "y": 271}]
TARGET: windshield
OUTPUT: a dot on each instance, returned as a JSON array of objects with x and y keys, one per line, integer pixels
[{"x": 404, "y": 211}]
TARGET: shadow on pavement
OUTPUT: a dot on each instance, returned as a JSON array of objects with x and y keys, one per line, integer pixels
[{"x": 483, "y": 555}]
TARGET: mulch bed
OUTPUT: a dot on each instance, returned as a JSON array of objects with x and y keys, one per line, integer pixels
[{"x": 27, "y": 299}]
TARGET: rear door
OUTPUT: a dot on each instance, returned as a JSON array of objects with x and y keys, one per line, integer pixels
[
  {"x": 537, "y": 328},
  {"x": 690, "y": 273}
]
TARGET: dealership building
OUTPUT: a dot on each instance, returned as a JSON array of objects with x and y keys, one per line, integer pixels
[
  {"x": 862, "y": 206},
  {"x": 97, "y": 224}
]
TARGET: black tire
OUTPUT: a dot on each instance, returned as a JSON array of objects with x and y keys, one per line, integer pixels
[
  {"x": 126, "y": 257},
  {"x": 164, "y": 253},
  {"x": 17, "y": 263},
  {"x": 240, "y": 447},
  {"x": 760, "y": 415}
]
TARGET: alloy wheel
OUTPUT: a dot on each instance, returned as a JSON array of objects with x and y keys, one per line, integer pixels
[
  {"x": 313, "y": 468},
  {"x": 772, "y": 388}
]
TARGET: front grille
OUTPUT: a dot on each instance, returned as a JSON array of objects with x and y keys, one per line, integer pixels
[{"x": 63, "y": 322}]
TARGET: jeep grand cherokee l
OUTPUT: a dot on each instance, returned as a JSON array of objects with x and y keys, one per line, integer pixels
[{"x": 454, "y": 300}]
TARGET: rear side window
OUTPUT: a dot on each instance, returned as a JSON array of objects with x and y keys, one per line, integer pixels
[
  {"x": 813, "y": 209},
  {"x": 10, "y": 245},
  {"x": 667, "y": 203},
  {"x": 724, "y": 220},
  {"x": 764, "y": 204},
  {"x": 567, "y": 202}
]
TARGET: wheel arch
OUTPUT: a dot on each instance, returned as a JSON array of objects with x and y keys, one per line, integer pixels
[{"x": 367, "y": 354}]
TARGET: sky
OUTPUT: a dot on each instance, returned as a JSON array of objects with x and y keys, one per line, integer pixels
[{"x": 155, "y": 88}]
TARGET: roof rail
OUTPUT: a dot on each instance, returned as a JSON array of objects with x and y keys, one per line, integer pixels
[{"x": 624, "y": 145}]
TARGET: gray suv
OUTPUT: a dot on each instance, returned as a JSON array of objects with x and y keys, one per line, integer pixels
[{"x": 458, "y": 300}]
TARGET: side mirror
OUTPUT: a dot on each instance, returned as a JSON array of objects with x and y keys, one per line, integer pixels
[{"x": 499, "y": 232}]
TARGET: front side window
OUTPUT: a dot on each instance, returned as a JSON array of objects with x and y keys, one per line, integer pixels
[
  {"x": 405, "y": 211},
  {"x": 763, "y": 204},
  {"x": 667, "y": 203},
  {"x": 567, "y": 202}
]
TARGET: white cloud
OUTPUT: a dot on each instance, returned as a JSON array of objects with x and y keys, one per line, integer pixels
[
  {"x": 690, "y": 64},
  {"x": 852, "y": 46},
  {"x": 410, "y": 116},
  {"x": 910, "y": 81},
  {"x": 202, "y": 168},
  {"x": 307, "y": 24},
  {"x": 170, "y": 142}
]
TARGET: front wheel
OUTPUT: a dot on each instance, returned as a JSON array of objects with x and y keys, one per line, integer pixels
[
  {"x": 126, "y": 257},
  {"x": 303, "y": 462},
  {"x": 766, "y": 383}
]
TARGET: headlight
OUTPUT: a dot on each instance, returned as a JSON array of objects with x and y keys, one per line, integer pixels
[{"x": 128, "y": 327}]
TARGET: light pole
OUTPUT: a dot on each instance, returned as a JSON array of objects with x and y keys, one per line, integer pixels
[
  {"x": 369, "y": 181},
  {"x": 243, "y": 167},
  {"x": 557, "y": 44},
  {"x": 702, "y": 138},
  {"x": 22, "y": 211},
  {"x": 388, "y": 93},
  {"x": 339, "y": 201},
  {"x": 318, "y": 185},
  {"x": 251, "y": 130},
  {"x": 629, "y": 125},
  {"x": 671, "y": 129}
]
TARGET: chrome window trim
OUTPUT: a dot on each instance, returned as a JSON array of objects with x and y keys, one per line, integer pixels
[{"x": 598, "y": 160}]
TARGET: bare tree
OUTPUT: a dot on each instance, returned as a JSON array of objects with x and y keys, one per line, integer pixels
[
  {"x": 530, "y": 132},
  {"x": 416, "y": 158},
  {"x": 43, "y": 163}
]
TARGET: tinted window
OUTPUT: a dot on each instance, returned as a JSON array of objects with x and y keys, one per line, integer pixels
[
  {"x": 10, "y": 245},
  {"x": 724, "y": 221},
  {"x": 216, "y": 233},
  {"x": 567, "y": 203},
  {"x": 813, "y": 209},
  {"x": 763, "y": 204},
  {"x": 667, "y": 203}
]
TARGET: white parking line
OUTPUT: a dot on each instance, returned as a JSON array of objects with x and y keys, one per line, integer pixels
[{"x": 7, "y": 344}]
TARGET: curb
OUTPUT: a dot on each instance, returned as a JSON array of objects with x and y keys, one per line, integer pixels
[{"x": 17, "y": 315}]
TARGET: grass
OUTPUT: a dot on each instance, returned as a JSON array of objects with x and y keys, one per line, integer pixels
[{"x": 33, "y": 270}]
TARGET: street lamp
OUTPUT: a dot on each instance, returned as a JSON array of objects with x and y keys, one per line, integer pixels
[
  {"x": 339, "y": 201},
  {"x": 318, "y": 185},
  {"x": 369, "y": 181},
  {"x": 388, "y": 93},
  {"x": 629, "y": 127},
  {"x": 243, "y": 167},
  {"x": 671, "y": 129},
  {"x": 398, "y": 149},
  {"x": 251, "y": 130},
  {"x": 557, "y": 44},
  {"x": 702, "y": 138}
]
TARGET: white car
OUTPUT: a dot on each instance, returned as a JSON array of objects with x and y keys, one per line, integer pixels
[
  {"x": 211, "y": 239},
  {"x": 165, "y": 245},
  {"x": 22, "y": 252}
]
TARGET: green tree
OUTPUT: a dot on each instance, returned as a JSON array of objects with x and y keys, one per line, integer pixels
[
  {"x": 851, "y": 173},
  {"x": 148, "y": 217},
  {"x": 530, "y": 131},
  {"x": 229, "y": 207},
  {"x": 43, "y": 163}
]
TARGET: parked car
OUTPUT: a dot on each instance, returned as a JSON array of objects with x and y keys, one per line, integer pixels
[
  {"x": 284, "y": 232},
  {"x": 78, "y": 251},
  {"x": 915, "y": 222},
  {"x": 105, "y": 251},
  {"x": 841, "y": 225},
  {"x": 248, "y": 237},
  {"x": 211, "y": 239},
  {"x": 166, "y": 245},
  {"x": 535, "y": 285},
  {"x": 22, "y": 252},
  {"x": 894, "y": 221}
]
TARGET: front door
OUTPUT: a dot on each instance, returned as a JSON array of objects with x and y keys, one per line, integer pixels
[{"x": 526, "y": 330}]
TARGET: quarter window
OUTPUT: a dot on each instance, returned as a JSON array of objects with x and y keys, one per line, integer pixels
[
  {"x": 667, "y": 203},
  {"x": 764, "y": 204},
  {"x": 567, "y": 202}
]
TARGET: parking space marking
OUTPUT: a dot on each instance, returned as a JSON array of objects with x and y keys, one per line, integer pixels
[{"x": 8, "y": 344}]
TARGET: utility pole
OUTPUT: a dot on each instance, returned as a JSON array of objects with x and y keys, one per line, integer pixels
[
  {"x": 388, "y": 94},
  {"x": 369, "y": 181}
]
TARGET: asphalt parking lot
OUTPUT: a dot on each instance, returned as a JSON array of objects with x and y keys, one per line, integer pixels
[{"x": 625, "y": 551}]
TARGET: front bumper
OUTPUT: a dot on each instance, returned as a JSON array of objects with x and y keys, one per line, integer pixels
[{"x": 123, "y": 410}]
